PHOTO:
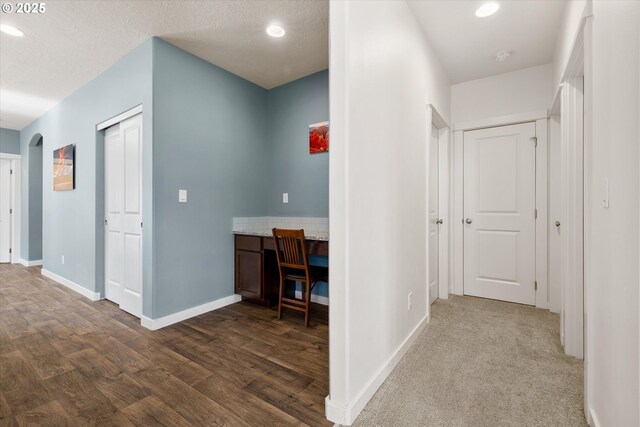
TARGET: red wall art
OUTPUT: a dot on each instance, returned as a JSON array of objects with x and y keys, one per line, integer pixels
[{"x": 319, "y": 138}]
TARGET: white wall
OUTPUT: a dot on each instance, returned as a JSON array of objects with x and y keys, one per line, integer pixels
[
  {"x": 612, "y": 70},
  {"x": 521, "y": 91},
  {"x": 573, "y": 13},
  {"x": 383, "y": 74}
]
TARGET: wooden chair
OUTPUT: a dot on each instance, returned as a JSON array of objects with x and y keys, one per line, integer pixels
[{"x": 293, "y": 264}]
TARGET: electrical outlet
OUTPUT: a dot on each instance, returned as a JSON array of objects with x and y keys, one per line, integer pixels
[
  {"x": 63, "y": 259},
  {"x": 285, "y": 197},
  {"x": 409, "y": 301}
]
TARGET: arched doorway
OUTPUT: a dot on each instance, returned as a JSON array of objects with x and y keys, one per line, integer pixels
[{"x": 34, "y": 212}]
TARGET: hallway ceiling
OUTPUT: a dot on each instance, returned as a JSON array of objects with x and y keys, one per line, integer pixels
[
  {"x": 466, "y": 45},
  {"x": 74, "y": 41}
]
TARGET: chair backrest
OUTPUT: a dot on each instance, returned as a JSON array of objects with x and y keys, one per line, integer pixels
[{"x": 291, "y": 249}]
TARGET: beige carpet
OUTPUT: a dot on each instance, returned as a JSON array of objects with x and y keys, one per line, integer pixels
[{"x": 482, "y": 363}]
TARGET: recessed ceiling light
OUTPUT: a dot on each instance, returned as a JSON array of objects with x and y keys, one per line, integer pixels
[
  {"x": 275, "y": 31},
  {"x": 12, "y": 31},
  {"x": 487, "y": 9}
]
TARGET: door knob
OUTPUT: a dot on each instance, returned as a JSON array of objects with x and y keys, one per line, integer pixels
[
  {"x": 557, "y": 223},
  {"x": 468, "y": 221},
  {"x": 439, "y": 221}
]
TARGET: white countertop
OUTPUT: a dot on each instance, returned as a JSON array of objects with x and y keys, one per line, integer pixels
[{"x": 308, "y": 234}]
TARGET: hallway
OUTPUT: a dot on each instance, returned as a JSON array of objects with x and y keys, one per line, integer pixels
[{"x": 484, "y": 363}]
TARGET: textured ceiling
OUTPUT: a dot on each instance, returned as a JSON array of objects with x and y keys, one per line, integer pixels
[
  {"x": 466, "y": 45},
  {"x": 74, "y": 41}
]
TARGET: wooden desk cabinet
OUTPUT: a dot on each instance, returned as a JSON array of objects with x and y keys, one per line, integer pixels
[{"x": 256, "y": 267}]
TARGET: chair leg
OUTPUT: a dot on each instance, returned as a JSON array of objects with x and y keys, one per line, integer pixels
[
  {"x": 280, "y": 299},
  {"x": 307, "y": 307}
]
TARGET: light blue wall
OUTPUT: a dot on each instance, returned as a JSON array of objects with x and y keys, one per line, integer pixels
[
  {"x": 291, "y": 108},
  {"x": 35, "y": 200},
  {"x": 9, "y": 141},
  {"x": 72, "y": 220},
  {"x": 214, "y": 134},
  {"x": 210, "y": 139}
]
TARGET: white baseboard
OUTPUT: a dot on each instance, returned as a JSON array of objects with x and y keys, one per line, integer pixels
[
  {"x": 170, "y": 319},
  {"x": 315, "y": 298},
  {"x": 29, "y": 263},
  {"x": 593, "y": 421},
  {"x": 93, "y": 296},
  {"x": 346, "y": 415}
]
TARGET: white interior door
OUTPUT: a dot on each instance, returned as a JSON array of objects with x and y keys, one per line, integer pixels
[
  {"x": 5, "y": 209},
  {"x": 123, "y": 214},
  {"x": 499, "y": 212},
  {"x": 434, "y": 241}
]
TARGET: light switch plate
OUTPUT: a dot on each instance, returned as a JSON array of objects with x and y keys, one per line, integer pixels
[
  {"x": 182, "y": 196},
  {"x": 285, "y": 197}
]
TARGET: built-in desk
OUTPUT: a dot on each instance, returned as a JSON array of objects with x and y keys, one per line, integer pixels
[{"x": 256, "y": 267}]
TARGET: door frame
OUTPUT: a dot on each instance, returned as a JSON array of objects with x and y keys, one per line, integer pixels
[
  {"x": 457, "y": 197},
  {"x": 434, "y": 119},
  {"x": 574, "y": 110},
  {"x": 101, "y": 203},
  {"x": 14, "y": 200}
]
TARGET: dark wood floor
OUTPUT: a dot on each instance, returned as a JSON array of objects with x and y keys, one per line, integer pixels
[{"x": 65, "y": 360}]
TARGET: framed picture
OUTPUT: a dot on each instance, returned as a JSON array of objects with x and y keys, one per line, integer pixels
[
  {"x": 319, "y": 138},
  {"x": 64, "y": 168}
]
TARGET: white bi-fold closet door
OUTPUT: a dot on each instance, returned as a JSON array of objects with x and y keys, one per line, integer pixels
[
  {"x": 123, "y": 214},
  {"x": 499, "y": 213}
]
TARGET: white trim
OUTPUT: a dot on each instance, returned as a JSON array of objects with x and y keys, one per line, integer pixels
[
  {"x": 29, "y": 263},
  {"x": 93, "y": 296},
  {"x": 120, "y": 117},
  {"x": 572, "y": 216},
  {"x": 318, "y": 299},
  {"x": 542, "y": 203},
  {"x": 556, "y": 104},
  {"x": 346, "y": 415},
  {"x": 587, "y": 51},
  {"x": 457, "y": 264},
  {"x": 431, "y": 115},
  {"x": 512, "y": 119},
  {"x": 16, "y": 206},
  {"x": 593, "y": 420},
  {"x": 443, "y": 212},
  {"x": 436, "y": 118},
  {"x": 439, "y": 123},
  {"x": 334, "y": 412},
  {"x": 15, "y": 203},
  {"x": 170, "y": 319}
]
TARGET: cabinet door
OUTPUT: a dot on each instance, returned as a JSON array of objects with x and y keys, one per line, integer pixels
[{"x": 249, "y": 274}]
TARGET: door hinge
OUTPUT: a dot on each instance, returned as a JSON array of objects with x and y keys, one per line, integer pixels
[
  {"x": 9, "y": 250},
  {"x": 536, "y": 285},
  {"x": 10, "y": 211},
  {"x": 140, "y": 225},
  {"x": 534, "y": 140},
  {"x": 535, "y": 213},
  {"x": 10, "y": 171}
]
